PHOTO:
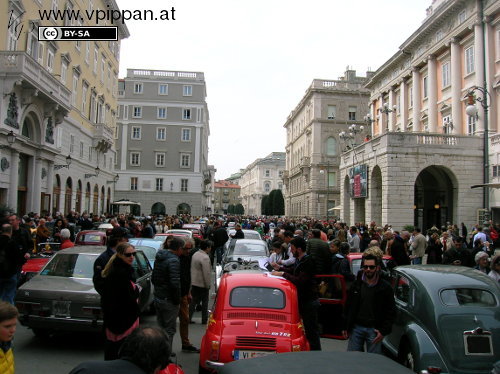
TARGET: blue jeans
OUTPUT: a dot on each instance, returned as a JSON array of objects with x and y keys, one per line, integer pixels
[
  {"x": 219, "y": 251},
  {"x": 361, "y": 335},
  {"x": 417, "y": 261},
  {"x": 8, "y": 288},
  {"x": 166, "y": 315}
]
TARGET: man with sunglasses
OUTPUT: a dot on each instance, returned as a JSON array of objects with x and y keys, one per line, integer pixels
[{"x": 370, "y": 309}]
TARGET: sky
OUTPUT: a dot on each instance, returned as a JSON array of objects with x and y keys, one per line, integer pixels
[{"x": 259, "y": 57}]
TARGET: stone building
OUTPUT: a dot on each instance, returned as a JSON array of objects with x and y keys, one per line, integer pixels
[
  {"x": 225, "y": 193},
  {"x": 259, "y": 179},
  {"x": 426, "y": 151},
  {"x": 59, "y": 100},
  {"x": 317, "y": 132},
  {"x": 162, "y": 143}
]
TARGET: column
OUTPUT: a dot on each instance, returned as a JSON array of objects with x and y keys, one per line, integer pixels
[
  {"x": 479, "y": 67},
  {"x": 432, "y": 94},
  {"x": 417, "y": 105},
  {"x": 456, "y": 87},
  {"x": 490, "y": 74},
  {"x": 403, "y": 104},
  {"x": 381, "y": 123},
  {"x": 197, "y": 151},
  {"x": 123, "y": 156},
  {"x": 371, "y": 111},
  {"x": 50, "y": 183},
  {"x": 14, "y": 179},
  {"x": 391, "y": 123},
  {"x": 36, "y": 185}
]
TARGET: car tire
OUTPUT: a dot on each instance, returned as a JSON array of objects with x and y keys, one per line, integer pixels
[
  {"x": 407, "y": 357},
  {"x": 41, "y": 333},
  {"x": 202, "y": 370}
]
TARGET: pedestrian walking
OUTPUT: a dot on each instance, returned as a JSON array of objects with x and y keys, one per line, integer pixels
[
  {"x": 418, "y": 246},
  {"x": 200, "y": 280},
  {"x": 10, "y": 259}
]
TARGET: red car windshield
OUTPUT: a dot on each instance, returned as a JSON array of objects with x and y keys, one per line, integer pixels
[{"x": 257, "y": 297}]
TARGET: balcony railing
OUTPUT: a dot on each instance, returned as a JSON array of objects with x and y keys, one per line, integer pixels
[
  {"x": 21, "y": 66},
  {"x": 159, "y": 74}
]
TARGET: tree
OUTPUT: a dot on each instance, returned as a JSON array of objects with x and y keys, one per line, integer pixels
[
  {"x": 277, "y": 203},
  {"x": 264, "y": 205},
  {"x": 230, "y": 209},
  {"x": 270, "y": 209},
  {"x": 238, "y": 209}
]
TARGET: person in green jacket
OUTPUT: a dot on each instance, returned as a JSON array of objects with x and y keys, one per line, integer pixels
[{"x": 8, "y": 323}]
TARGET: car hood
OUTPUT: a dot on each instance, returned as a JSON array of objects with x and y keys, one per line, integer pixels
[
  {"x": 451, "y": 337},
  {"x": 49, "y": 287}
]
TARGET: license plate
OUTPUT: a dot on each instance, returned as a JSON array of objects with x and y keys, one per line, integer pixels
[
  {"x": 243, "y": 355},
  {"x": 61, "y": 308},
  {"x": 478, "y": 345}
]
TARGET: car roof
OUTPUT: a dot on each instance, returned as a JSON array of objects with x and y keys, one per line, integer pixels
[
  {"x": 316, "y": 362},
  {"x": 436, "y": 277},
  {"x": 257, "y": 278},
  {"x": 89, "y": 249},
  {"x": 95, "y": 232},
  {"x": 249, "y": 241}
]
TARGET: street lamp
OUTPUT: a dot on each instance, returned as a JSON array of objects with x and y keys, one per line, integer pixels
[
  {"x": 68, "y": 162},
  {"x": 350, "y": 137},
  {"x": 386, "y": 110},
  {"x": 115, "y": 179},
  {"x": 11, "y": 139},
  {"x": 96, "y": 173},
  {"x": 471, "y": 110}
]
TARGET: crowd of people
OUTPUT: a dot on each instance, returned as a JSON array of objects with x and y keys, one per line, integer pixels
[{"x": 300, "y": 250}]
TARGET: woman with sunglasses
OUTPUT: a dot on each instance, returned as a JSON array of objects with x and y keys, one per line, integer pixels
[{"x": 119, "y": 299}]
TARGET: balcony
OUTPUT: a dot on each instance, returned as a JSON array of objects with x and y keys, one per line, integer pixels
[
  {"x": 103, "y": 137},
  {"x": 22, "y": 70}
]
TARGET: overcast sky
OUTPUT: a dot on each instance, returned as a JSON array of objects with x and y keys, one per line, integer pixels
[{"x": 260, "y": 56}]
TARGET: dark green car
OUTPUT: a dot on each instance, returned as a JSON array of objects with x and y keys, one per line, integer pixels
[{"x": 448, "y": 318}]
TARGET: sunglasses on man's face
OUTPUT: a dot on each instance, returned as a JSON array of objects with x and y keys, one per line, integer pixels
[
  {"x": 371, "y": 267},
  {"x": 129, "y": 254}
]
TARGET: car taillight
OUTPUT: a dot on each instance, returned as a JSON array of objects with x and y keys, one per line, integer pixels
[
  {"x": 26, "y": 308},
  {"x": 214, "y": 350},
  {"x": 432, "y": 370}
]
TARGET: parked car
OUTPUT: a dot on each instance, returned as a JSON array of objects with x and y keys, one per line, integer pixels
[
  {"x": 149, "y": 246},
  {"x": 62, "y": 295},
  {"x": 447, "y": 317},
  {"x": 38, "y": 260},
  {"x": 179, "y": 233},
  {"x": 249, "y": 234},
  {"x": 316, "y": 362},
  {"x": 91, "y": 237},
  {"x": 254, "y": 315},
  {"x": 355, "y": 261},
  {"x": 196, "y": 228},
  {"x": 105, "y": 227},
  {"x": 241, "y": 254}
]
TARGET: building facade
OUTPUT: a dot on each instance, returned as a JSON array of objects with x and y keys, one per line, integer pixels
[
  {"x": 59, "y": 100},
  {"x": 259, "y": 179},
  {"x": 427, "y": 151},
  {"x": 162, "y": 145},
  {"x": 225, "y": 194},
  {"x": 317, "y": 132}
]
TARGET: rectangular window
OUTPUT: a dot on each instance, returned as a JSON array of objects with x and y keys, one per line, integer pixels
[
  {"x": 159, "y": 184},
  {"x": 267, "y": 173},
  {"x": 410, "y": 97},
  {"x": 87, "y": 52},
  {"x": 186, "y": 114},
  {"x": 96, "y": 59},
  {"x": 160, "y": 160},
  {"x": 133, "y": 183},
  {"x": 332, "y": 179},
  {"x": 462, "y": 16},
  {"x": 71, "y": 144},
  {"x": 184, "y": 185},
  {"x": 50, "y": 59},
  {"x": 84, "y": 97},
  {"x": 13, "y": 31},
  {"x": 135, "y": 159},
  {"x": 162, "y": 89},
  {"x": 469, "y": 60},
  {"x": 187, "y": 90},
  {"x": 81, "y": 149},
  {"x": 162, "y": 113},
  {"x": 186, "y": 135},
  {"x": 137, "y": 113},
  {"x": 103, "y": 66},
  {"x": 161, "y": 133},
  {"x": 446, "y": 74},
  {"x": 75, "y": 89},
  {"x": 138, "y": 88},
  {"x": 332, "y": 112},
  {"x": 280, "y": 174},
  {"x": 471, "y": 125},
  {"x": 136, "y": 133},
  {"x": 185, "y": 160},
  {"x": 90, "y": 153},
  {"x": 446, "y": 125},
  {"x": 352, "y": 113},
  {"x": 64, "y": 71},
  {"x": 425, "y": 86},
  {"x": 495, "y": 171}
]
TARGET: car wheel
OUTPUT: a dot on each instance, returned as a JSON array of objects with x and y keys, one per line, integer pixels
[
  {"x": 202, "y": 370},
  {"x": 407, "y": 357},
  {"x": 41, "y": 333}
]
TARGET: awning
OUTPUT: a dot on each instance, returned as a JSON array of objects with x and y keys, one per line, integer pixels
[
  {"x": 489, "y": 185},
  {"x": 125, "y": 202}
]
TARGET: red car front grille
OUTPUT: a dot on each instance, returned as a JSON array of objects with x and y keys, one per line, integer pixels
[
  {"x": 257, "y": 315},
  {"x": 255, "y": 342}
]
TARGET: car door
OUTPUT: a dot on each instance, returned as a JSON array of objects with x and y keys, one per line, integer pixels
[{"x": 142, "y": 272}]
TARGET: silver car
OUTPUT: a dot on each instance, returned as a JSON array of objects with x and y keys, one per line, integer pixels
[{"x": 62, "y": 296}]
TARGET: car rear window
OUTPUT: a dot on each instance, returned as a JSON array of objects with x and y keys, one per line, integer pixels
[
  {"x": 249, "y": 249},
  {"x": 468, "y": 297},
  {"x": 76, "y": 265},
  {"x": 257, "y": 297},
  {"x": 91, "y": 238}
]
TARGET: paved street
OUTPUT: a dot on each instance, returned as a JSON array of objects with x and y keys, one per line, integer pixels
[{"x": 60, "y": 353}]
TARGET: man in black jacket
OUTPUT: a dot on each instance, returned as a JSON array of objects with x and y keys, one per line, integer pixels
[
  {"x": 370, "y": 309},
  {"x": 319, "y": 251},
  {"x": 219, "y": 237},
  {"x": 23, "y": 240},
  {"x": 167, "y": 281},
  {"x": 301, "y": 274},
  {"x": 10, "y": 260}
]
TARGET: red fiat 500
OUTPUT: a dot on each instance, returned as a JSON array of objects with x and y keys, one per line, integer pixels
[{"x": 255, "y": 314}]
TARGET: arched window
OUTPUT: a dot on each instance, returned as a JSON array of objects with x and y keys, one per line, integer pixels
[
  {"x": 267, "y": 187},
  {"x": 331, "y": 146}
]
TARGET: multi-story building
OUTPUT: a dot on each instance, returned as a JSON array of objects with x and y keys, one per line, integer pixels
[
  {"x": 427, "y": 151},
  {"x": 162, "y": 142},
  {"x": 225, "y": 193},
  {"x": 316, "y": 134},
  {"x": 59, "y": 100},
  {"x": 259, "y": 179}
]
